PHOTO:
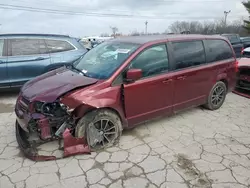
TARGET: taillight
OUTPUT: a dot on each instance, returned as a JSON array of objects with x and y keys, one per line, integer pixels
[
  {"x": 242, "y": 51},
  {"x": 236, "y": 66}
]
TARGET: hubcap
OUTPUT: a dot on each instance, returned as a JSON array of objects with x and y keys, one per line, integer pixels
[
  {"x": 218, "y": 95},
  {"x": 106, "y": 132}
]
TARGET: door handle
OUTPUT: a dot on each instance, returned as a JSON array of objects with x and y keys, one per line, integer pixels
[
  {"x": 181, "y": 78},
  {"x": 167, "y": 81}
]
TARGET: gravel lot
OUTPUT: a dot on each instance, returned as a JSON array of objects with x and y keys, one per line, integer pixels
[{"x": 196, "y": 148}]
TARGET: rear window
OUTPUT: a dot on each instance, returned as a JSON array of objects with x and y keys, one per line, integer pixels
[
  {"x": 218, "y": 50},
  {"x": 55, "y": 46},
  {"x": 25, "y": 46},
  {"x": 1, "y": 47},
  {"x": 188, "y": 54}
]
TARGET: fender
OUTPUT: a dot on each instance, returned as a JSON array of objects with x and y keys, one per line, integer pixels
[
  {"x": 222, "y": 76},
  {"x": 80, "y": 108}
]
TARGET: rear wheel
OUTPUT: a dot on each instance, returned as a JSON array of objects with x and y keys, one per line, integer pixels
[
  {"x": 217, "y": 96},
  {"x": 102, "y": 128}
]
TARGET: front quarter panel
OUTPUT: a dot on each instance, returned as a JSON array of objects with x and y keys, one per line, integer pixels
[{"x": 83, "y": 101}]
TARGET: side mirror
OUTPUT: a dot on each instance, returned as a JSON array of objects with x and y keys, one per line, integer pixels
[{"x": 133, "y": 75}]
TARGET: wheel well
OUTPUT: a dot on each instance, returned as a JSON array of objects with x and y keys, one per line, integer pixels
[
  {"x": 87, "y": 110},
  {"x": 123, "y": 120},
  {"x": 112, "y": 110},
  {"x": 225, "y": 82}
]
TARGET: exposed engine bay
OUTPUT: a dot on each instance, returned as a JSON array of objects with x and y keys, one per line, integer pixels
[
  {"x": 53, "y": 121},
  {"x": 40, "y": 123}
]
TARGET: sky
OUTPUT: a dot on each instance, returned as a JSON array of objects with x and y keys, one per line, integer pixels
[{"x": 81, "y": 18}]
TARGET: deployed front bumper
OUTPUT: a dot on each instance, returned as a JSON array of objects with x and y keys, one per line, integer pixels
[
  {"x": 68, "y": 145},
  {"x": 27, "y": 148}
]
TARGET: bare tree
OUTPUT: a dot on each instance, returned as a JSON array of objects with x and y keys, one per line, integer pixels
[
  {"x": 182, "y": 26},
  {"x": 104, "y": 35},
  {"x": 135, "y": 33},
  {"x": 212, "y": 27},
  {"x": 114, "y": 30}
]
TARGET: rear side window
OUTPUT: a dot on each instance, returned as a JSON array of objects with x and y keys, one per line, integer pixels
[
  {"x": 58, "y": 46},
  {"x": 218, "y": 50},
  {"x": 18, "y": 47},
  {"x": 188, "y": 54},
  {"x": 1, "y": 47}
]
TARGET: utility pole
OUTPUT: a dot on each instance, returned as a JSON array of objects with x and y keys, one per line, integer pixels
[
  {"x": 226, "y": 14},
  {"x": 146, "y": 27}
]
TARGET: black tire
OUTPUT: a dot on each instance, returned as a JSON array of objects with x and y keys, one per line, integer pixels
[
  {"x": 211, "y": 104},
  {"x": 95, "y": 118}
]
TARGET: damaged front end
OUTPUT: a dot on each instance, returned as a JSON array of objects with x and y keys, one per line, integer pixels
[
  {"x": 45, "y": 131},
  {"x": 243, "y": 82}
]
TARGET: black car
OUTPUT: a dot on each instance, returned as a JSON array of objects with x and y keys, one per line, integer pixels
[
  {"x": 245, "y": 41},
  {"x": 236, "y": 43}
]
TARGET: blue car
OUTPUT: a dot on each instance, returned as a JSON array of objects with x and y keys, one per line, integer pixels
[{"x": 25, "y": 56}]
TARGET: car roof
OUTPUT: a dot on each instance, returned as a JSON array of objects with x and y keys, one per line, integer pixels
[
  {"x": 10, "y": 35},
  {"x": 229, "y": 34},
  {"x": 153, "y": 38}
]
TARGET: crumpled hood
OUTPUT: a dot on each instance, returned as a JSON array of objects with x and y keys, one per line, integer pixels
[{"x": 48, "y": 87}]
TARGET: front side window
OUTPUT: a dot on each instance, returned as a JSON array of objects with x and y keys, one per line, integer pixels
[
  {"x": 188, "y": 54},
  {"x": 218, "y": 50},
  {"x": 1, "y": 47},
  {"x": 19, "y": 47},
  {"x": 55, "y": 46},
  {"x": 103, "y": 60},
  {"x": 152, "y": 61}
]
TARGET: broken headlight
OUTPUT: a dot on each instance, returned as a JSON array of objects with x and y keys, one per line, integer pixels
[
  {"x": 52, "y": 109},
  {"x": 37, "y": 106}
]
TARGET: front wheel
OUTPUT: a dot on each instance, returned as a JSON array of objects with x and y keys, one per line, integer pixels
[
  {"x": 217, "y": 96},
  {"x": 102, "y": 128}
]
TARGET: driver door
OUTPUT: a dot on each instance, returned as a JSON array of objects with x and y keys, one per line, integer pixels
[{"x": 152, "y": 95}]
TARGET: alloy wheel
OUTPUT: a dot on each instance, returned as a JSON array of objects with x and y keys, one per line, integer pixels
[
  {"x": 105, "y": 131},
  {"x": 218, "y": 95}
]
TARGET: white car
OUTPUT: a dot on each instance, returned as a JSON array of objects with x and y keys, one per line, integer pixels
[{"x": 246, "y": 52}]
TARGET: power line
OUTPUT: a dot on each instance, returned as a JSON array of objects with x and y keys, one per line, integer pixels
[
  {"x": 154, "y": 1},
  {"x": 99, "y": 14}
]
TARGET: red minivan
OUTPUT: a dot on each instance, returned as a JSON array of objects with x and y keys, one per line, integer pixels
[{"x": 123, "y": 82}]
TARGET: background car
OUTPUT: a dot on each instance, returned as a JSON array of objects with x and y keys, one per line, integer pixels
[
  {"x": 25, "y": 56},
  {"x": 245, "y": 41},
  {"x": 236, "y": 43},
  {"x": 246, "y": 52},
  {"x": 243, "y": 80}
]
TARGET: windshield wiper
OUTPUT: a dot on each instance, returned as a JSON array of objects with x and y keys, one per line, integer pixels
[{"x": 78, "y": 70}]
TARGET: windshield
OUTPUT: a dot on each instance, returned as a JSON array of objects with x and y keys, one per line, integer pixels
[{"x": 103, "y": 60}]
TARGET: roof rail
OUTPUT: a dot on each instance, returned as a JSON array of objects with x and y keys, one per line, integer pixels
[{"x": 34, "y": 34}]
